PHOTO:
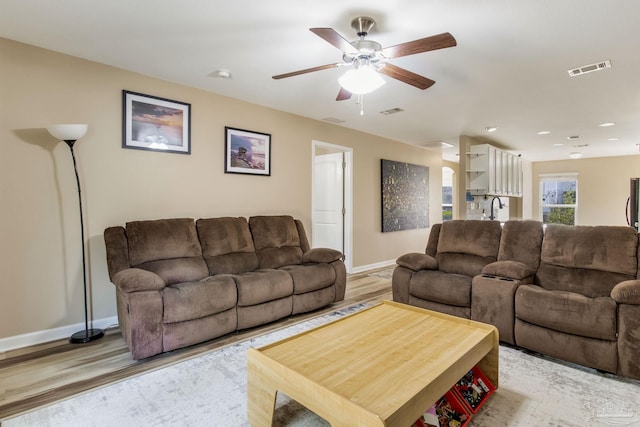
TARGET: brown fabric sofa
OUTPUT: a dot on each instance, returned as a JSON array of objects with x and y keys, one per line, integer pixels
[
  {"x": 571, "y": 292},
  {"x": 180, "y": 282}
]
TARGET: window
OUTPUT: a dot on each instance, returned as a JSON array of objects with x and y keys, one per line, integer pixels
[
  {"x": 559, "y": 198},
  {"x": 447, "y": 193}
]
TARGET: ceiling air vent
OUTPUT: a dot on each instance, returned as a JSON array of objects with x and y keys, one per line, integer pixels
[
  {"x": 598, "y": 66},
  {"x": 391, "y": 111},
  {"x": 333, "y": 120}
]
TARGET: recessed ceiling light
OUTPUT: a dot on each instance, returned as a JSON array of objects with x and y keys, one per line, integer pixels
[
  {"x": 446, "y": 144},
  {"x": 558, "y": 144},
  {"x": 544, "y": 132},
  {"x": 491, "y": 128},
  {"x": 575, "y": 155},
  {"x": 607, "y": 124},
  {"x": 613, "y": 139}
]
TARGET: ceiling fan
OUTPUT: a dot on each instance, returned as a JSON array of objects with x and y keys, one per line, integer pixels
[{"x": 369, "y": 58}]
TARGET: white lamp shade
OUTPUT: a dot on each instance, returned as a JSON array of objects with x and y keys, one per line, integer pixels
[
  {"x": 67, "y": 132},
  {"x": 361, "y": 80}
]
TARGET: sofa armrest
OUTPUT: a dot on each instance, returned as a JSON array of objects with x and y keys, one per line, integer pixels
[
  {"x": 509, "y": 269},
  {"x": 417, "y": 261},
  {"x": 324, "y": 255},
  {"x": 627, "y": 292},
  {"x": 137, "y": 279}
]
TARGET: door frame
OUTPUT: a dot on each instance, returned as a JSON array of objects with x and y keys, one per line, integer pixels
[{"x": 348, "y": 195}]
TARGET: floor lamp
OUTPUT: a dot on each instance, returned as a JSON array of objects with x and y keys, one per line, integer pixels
[{"x": 70, "y": 134}]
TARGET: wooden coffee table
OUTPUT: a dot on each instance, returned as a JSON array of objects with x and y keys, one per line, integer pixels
[{"x": 383, "y": 366}]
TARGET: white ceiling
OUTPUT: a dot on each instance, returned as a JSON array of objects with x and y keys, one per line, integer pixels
[{"x": 509, "y": 68}]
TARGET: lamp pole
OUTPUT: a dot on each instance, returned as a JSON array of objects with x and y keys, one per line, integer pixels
[
  {"x": 70, "y": 134},
  {"x": 88, "y": 334}
]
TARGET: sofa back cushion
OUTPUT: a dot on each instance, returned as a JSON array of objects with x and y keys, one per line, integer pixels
[
  {"x": 276, "y": 240},
  {"x": 167, "y": 247},
  {"x": 432, "y": 242},
  {"x": 589, "y": 260},
  {"x": 465, "y": 246},
  {"x": 227, "y": 246},
  {"x": 521, "y": 241}
]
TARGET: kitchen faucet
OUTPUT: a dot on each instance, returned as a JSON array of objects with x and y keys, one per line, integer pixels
[{"x": 491, "y": 216}]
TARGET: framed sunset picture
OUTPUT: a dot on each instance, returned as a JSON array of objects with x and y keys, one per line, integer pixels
[{"x": 157, "y": 124}]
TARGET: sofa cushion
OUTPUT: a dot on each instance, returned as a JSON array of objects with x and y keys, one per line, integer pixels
[
  {"x": 473, "y": 237},
  {"x": 276, "y": 240},
  {"x": 417, "y": 261},
  {"x": 443, "y": 288},
  {"x": 589, "y": 260},
  {"x": 605, "y": 248},
  {"x": 162, "y": 239},
  {"x": 521, "y": 241},
  {"x": 510, "y": 269},
  {"x": 325, "y": 255},
  {"x": 227, "y": 245},
  {"x": 193, "y": 300},
  {"x": 627, "y": 292},
  {"x": 177, "y": 270},
  {"x": 167, "y": 247},
  {"x": 263, "y": 285},
  {"x": 310, "y": 277},
  {"x": 469, "y": 265},
  {"x": 567, "y": 312}
]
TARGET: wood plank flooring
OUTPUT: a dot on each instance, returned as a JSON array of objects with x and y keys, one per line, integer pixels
[{"x": 40, "y": 375}]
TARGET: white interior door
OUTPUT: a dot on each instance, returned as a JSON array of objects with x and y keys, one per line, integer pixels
[
  {"x": 328, "y": 201},
  {"x": 332, "y": 199}
]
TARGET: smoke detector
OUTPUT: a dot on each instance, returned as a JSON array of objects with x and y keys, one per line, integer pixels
[{"x": 585, "y": 69}]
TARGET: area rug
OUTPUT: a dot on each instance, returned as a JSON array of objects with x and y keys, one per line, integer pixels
[{"x": 210, "y": 390}]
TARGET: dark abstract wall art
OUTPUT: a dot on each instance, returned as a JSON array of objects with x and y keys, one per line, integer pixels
[{"x": 405, "y": 196}]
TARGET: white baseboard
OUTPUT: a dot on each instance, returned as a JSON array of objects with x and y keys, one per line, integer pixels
[
  {"x": 40, "y": 337},
  {"x": 381, "y": 264}
]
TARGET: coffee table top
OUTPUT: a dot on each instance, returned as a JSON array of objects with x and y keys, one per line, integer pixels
[{"x": 381, "y": 358}]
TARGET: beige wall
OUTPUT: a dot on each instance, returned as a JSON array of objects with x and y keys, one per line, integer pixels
[
  {"x": 603, "y": 187},
  {"x": 39, "y": 224}
]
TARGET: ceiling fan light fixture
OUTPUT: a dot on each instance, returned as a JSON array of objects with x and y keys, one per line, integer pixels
[{"x": 361, "y": 80}]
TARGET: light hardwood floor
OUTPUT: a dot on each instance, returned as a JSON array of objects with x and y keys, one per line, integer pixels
[{"x": 40, "y": 375}]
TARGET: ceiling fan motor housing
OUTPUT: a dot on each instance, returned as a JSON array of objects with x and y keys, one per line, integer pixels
[{"x": 362, "y": 25}]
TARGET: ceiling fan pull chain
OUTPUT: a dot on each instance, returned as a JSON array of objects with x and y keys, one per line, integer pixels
[{"x": 361, "y": 102}]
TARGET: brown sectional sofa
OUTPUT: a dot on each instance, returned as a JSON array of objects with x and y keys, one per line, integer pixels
[
  {"x": 180, "y": 282},
  {"x": 571, "y": 292}
]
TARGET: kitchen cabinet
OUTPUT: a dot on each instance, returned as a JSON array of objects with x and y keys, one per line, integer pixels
[{"x": 493, "y": 172}]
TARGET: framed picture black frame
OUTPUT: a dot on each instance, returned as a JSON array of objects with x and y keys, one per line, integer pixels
[
  {"x": 247, "y": 152},
  {"x": 156, "y": 124}
]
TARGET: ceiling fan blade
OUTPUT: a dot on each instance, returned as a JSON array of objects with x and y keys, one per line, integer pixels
[
  {"x": 307, "y": 70},
  {"x": 406, "y": 76},
  {"x": 439, "y": 41},
  {"x": 331, "y": 36},
  {"x": 343, "y": 95}
]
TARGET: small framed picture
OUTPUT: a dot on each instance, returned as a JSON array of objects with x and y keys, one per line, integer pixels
[
  {"x": 158, "y": 124},
  {"x": 247, "y": 152}
]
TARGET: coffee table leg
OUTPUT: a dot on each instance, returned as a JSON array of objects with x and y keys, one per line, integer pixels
[{"x": 261, "y": 397}]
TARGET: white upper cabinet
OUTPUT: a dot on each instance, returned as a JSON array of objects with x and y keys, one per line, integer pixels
[{"x": 493, "y": 172}]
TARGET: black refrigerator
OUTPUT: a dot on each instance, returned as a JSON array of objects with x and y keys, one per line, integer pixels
[{"x": 632, "y": 202}]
